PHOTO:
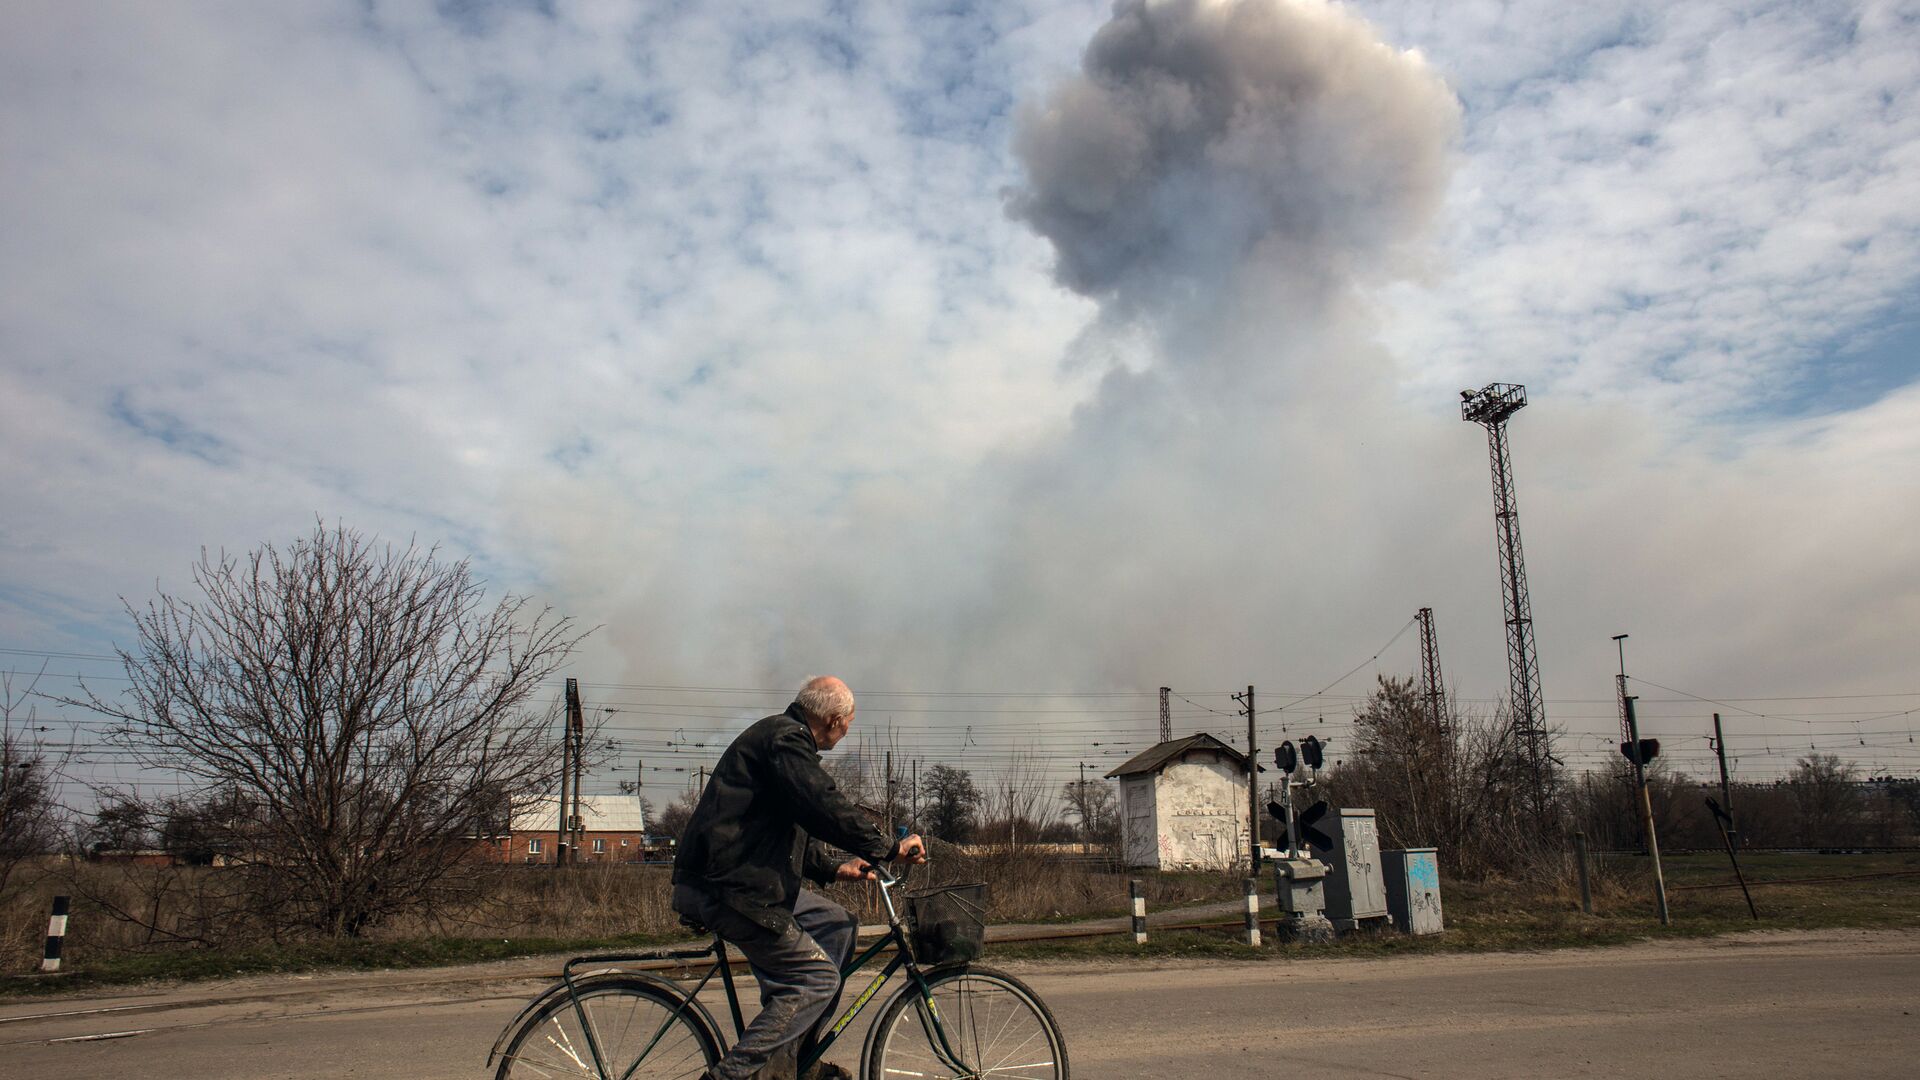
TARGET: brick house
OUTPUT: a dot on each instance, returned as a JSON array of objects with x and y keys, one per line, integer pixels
[{"x": 613, "y": 828}]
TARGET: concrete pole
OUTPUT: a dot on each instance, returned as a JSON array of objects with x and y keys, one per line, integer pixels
[{"x": 1253, "y": 794}]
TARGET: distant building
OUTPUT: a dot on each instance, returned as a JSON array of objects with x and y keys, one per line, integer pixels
[
  {"x": 613, "y": 828},
  {"x": 1183, "y": 806}
]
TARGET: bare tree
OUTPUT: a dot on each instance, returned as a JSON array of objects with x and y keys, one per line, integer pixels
[
  {"x": 949, "y": 803},
  {"x": 1019, "y": 806},
  {"x": 30, "y": 816},
  {"x": 363, "y": 703},
  {"x": 672, "y": 821},
  {"x": 1091, "y": 803},
  {"x": 122, "y": 822},
  {"x": 1826, "y": 799},
  {"x": 1463, "y": 789}
]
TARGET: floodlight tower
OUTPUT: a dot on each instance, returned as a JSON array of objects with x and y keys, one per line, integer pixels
[{"x": 1490, "y": 407}]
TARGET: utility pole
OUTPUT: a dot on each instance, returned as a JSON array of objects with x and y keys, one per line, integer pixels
[
  {"x": 916, "y": 795},
  {"x": 890, "y": 821},
  {"x": 1490, "y": 407},
  {"x": 1430, "y": 682},
  {"x": 566, "y": 774},
  {"x": 577, "y": 723},
  {"x": 1253, "y": 785},
  {"x": 1166, "y": 715},
  {"x": 1646, "y": 815},
  {"x": 1726, "y": 789},
  {"x": 1086, "y": 830}
]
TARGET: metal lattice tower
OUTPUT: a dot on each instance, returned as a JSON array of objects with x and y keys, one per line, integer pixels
[
  {"x": 1431, "y": 684},
  {"x": 1166, "y": 716},
  {"x": 1490, "y": 408}
]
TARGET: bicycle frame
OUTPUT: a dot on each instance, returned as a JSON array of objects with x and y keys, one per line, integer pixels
[{"x": 895, "y": 937}]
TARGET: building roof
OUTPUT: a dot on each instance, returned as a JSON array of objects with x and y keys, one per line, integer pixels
[
  {"x": 1155, "y": 758},
  {"x": 598, "y": 813}
]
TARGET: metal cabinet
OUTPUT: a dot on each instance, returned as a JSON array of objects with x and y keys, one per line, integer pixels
[
  {"x": 1356, "y": 889},
  {"x": 1413, "y": 890}
]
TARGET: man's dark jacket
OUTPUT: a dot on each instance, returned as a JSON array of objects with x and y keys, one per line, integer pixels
[{"x": 758, "y": 827}]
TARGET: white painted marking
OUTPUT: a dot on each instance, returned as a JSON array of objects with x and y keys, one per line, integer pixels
[
  {"x": 56, "y": 926},
  {"x": 103, "y": 1035}
]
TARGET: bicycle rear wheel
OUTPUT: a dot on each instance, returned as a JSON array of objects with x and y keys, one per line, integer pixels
[
  {"x": 643, "y": 1031},
  {"x": 995, "y": 1025}
]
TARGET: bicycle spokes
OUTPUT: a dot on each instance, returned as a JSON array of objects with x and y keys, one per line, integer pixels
[
  {"x": 638, "y": 1038},
  {"x": 973, "y": 1026}
]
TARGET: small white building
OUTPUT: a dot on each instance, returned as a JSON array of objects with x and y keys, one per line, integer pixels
[{"x": 1183, "y": 806}]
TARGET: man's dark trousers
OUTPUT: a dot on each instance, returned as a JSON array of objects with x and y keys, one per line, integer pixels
[{"x": 797, "y": 967}]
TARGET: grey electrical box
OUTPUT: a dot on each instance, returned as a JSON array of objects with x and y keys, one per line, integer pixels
[
  {"x": 1301, "y": 884},
  {"x": 1356, "y": 887},
  {"x": 1413, "y": 890}
]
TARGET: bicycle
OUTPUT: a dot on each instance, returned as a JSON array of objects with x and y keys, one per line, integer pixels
[{"x": 950, "y": 1020}]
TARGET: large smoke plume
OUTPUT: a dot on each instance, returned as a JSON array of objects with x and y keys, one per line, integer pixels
[
  {"x": 1220, "y": 177},
  {"x": 1202, "y": 137}
]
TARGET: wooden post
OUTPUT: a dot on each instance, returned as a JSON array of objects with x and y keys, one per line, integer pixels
[
  {"x": 1139, "y": 911},
  {"x": 1726, "y": 789},
  {"x": 1586, "y": 886},
  {"x": 1646, "y": 814},
  {"x": 1252, "y": 886}
]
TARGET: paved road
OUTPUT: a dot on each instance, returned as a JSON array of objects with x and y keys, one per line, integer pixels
[{"x": 1764, "y": 1005}]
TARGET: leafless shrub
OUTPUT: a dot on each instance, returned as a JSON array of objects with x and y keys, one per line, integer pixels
[
  {"x": 361, "y": 708},
  {"x": 30, "y": 814},
  {"x": 1463, "y": 789}
]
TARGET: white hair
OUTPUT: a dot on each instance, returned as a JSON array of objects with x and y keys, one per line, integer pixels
[{"x": 824, "y": 697}]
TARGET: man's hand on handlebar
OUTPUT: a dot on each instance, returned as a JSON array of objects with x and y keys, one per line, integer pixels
[
  {"x": 854, "y": 870},
  {"x": 911, "y": 850}
]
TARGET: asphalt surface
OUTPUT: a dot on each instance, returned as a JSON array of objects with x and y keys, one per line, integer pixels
[{"x": 1762, "y": 1005}]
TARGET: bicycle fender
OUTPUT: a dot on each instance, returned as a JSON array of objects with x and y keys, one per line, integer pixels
[{"x": 585, "y": 982}]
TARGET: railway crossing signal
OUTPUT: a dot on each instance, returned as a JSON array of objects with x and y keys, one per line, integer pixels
[
  {"x": 1306, "y": 823},
  {"x": 1285, "y": 759},
  {"x": 1310, "y": 752},
  {"x": 1649, "y": 749}
]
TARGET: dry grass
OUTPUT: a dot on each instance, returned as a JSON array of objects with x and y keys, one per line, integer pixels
[
  {"x": 152, "y": 920},
  {"x": 524, "y": 911}
]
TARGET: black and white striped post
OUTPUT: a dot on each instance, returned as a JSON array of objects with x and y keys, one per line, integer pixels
[
  {"x": 56, "y": 933},
  {"x": 1253, "y": 911},
  {"x": 1139, "y": 912}
]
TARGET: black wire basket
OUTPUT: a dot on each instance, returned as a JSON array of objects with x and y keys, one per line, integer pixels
[{"x": 948, "y": 925}]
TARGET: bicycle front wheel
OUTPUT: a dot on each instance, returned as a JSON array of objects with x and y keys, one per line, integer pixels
[
  {"x": 981, "y": 1023},
  {"x": 643, "y": 1031}
]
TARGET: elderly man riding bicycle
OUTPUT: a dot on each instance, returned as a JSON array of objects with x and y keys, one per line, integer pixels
[{"x": 764, "y": 822}]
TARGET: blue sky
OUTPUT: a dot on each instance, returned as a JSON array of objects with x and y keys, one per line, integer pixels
[{"x": 711, "y": 325}]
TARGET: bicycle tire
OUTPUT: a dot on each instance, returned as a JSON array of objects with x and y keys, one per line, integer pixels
[
  {"x": 627, "y": 1013},
  {"x": 1016, "y": 1020}
]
